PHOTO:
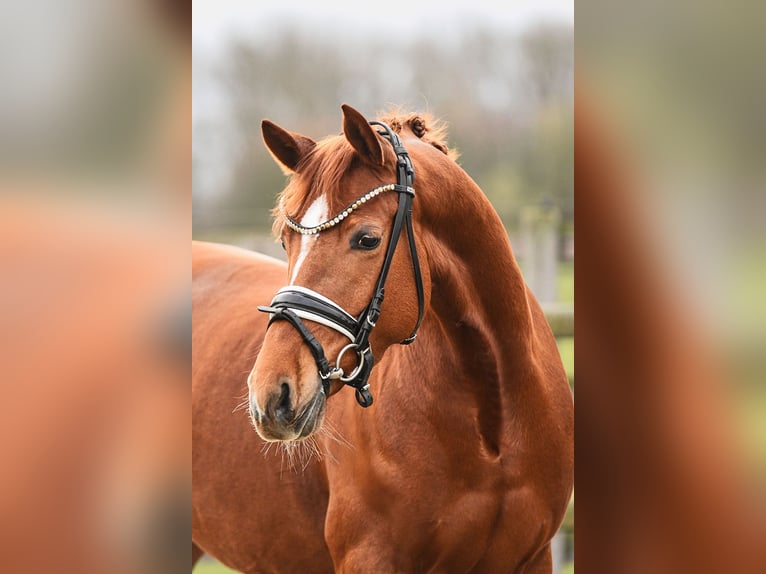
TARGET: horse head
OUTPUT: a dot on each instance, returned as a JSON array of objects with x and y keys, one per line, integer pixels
[{"x": 356, "y": 282}]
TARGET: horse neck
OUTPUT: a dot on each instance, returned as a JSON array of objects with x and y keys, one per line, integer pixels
[
  {"x": 476, "y": 344},
  {"x": 476, "y": 281}
]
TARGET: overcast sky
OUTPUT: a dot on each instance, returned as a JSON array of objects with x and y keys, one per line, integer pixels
[{"x": 215, "y": 20}]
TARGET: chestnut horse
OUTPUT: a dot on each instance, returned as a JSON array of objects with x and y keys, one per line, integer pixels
[{"x": 464, "y": 462}]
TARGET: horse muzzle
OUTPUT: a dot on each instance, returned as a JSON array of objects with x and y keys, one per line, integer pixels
[{"x": 282, "y": 420}]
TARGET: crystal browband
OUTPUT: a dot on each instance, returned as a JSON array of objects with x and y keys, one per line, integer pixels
[{"x": 333, "y": 221}]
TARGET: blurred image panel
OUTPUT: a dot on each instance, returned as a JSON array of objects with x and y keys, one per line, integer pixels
[
  {"x": 95, "y": 163},
  {"x": 669, "y": 175}
]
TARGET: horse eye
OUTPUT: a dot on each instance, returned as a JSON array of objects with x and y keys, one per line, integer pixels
[
  {"x": 283, "y": 245},
  {"x": 364, "y": 241}
]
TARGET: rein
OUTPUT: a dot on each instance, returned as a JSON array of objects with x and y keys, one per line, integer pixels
[{"x": 295, "y": 304}]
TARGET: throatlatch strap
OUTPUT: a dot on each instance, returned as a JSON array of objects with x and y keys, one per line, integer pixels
[{"x": 418, "y": 280}]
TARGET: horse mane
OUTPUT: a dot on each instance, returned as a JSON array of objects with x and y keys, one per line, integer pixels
[{"x": 333, "y": 156}]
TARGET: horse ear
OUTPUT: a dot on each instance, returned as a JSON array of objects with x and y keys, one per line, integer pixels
[
  {"x": 361, "y": 136},
  {"x": 287, "y": 148}
]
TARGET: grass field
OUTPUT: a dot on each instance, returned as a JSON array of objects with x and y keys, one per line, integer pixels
[
  {"x": 566, "y": 348},
  {"x": 565, "y": 292},
  {"x": 565, "y": 282},
  {"x": 210, "y": 566}
]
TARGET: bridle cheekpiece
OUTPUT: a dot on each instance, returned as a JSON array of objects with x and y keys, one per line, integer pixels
[{"x": 295, "y": 304}]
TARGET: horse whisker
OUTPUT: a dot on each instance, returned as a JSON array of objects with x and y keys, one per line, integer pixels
[
  {"x": 330, "y": 431},
  {"x": 244, "y": 404},
  {"x": 266, "y": 448}
]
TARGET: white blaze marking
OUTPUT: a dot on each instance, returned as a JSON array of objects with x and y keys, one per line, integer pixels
[{"x": 317, "y": 213}]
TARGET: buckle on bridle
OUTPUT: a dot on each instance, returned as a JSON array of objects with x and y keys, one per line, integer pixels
[
  {"x": 334, "y": 374},
  {"x": 409, "y": 339},
  {"x": 358, "y": 367}
]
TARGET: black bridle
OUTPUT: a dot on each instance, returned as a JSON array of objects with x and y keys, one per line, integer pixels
[{"x": 295, "y": 304}]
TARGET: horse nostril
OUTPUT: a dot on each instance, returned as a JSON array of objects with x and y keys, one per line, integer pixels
[{"x": 283, "y": 411}]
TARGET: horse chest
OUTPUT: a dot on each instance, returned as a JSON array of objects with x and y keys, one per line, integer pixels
[
  {"x": 433, "y": 529},
  {"x": 416, "y": 506}
]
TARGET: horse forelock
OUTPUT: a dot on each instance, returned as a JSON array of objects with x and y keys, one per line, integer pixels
[
  {"x": 320, "y": 172},
  {"x": 423, "y": 125}
]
